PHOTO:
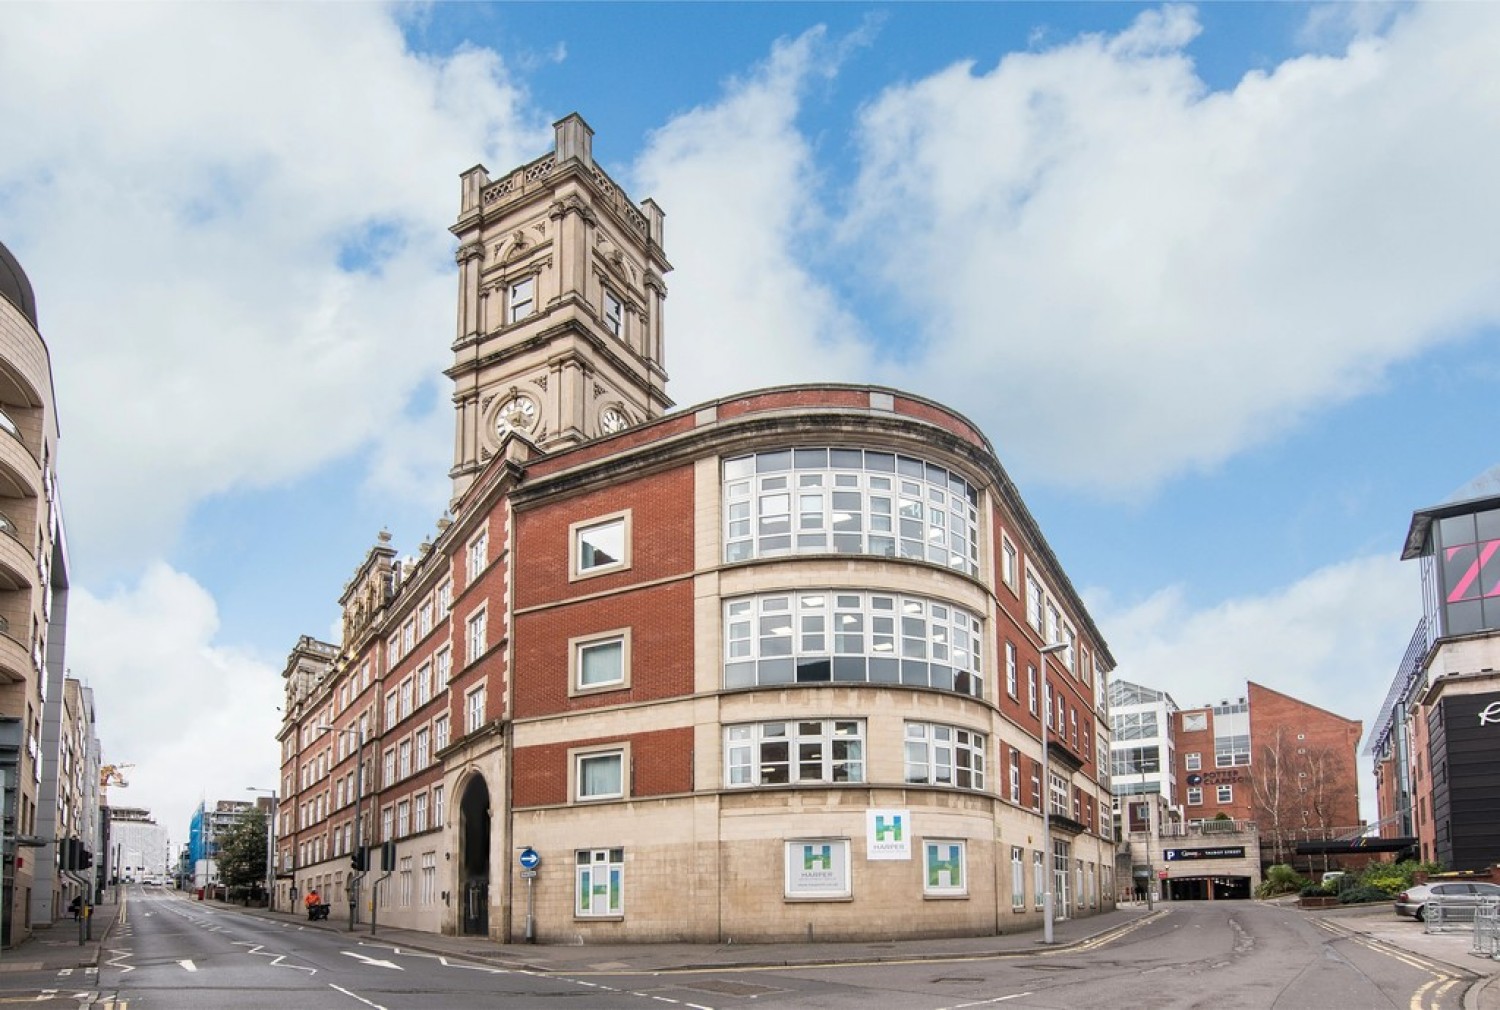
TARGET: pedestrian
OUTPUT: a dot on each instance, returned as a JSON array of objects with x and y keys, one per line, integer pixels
[{"x": 76, "y": 907}]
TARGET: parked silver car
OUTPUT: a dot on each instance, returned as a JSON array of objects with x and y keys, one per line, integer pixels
[{"x": 1462, "y": 896}]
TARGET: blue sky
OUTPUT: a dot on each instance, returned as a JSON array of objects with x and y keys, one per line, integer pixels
[{"x": 1217, "y": 281}]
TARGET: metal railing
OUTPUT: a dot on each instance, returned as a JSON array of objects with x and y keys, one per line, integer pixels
[
  {"x": 1443, "y": 915},
  {"x": 1487, "y": 931}
]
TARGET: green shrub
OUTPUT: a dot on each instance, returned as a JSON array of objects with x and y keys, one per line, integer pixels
[
  {"x": 1360, "y": 895},
  {"x": 1312, "y": 890},
  {"x": 1394, "y": 878},
  {"x": 1280, "y": 879}
]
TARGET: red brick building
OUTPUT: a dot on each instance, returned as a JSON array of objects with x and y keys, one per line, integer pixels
[
  {"x": 763, "y": 668},
  {"x": 1273, "y": 759}
]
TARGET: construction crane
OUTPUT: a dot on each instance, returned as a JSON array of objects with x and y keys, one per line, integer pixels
[{"x": 112, "y": 775}]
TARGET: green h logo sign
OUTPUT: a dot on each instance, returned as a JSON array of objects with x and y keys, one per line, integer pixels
[
  {"x": 888, "y": 830},
  {"x": 817, "y": 857},
  {"x": 945, "y": 866}
]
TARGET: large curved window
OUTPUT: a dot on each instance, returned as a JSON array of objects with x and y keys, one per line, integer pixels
[
  {"x": 849, "y": 501},
  {"x": 827, "y": 636}
]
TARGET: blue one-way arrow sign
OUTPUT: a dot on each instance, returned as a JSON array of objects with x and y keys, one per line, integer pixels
[{"x": 529, "y": 858}]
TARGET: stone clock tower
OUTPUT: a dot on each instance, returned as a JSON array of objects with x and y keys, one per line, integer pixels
[{"x": 560, "y": 298}]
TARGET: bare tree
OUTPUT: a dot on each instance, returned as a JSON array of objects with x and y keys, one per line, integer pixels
[{"x": 1302, "y": 789}]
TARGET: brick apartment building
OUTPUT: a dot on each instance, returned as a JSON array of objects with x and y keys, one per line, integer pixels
[
  {"x": 764, "y": 668},
  {"x": 1208, "y": 795}
]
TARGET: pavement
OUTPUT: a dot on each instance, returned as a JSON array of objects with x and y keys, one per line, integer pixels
[{"x": 58, "y": 947}]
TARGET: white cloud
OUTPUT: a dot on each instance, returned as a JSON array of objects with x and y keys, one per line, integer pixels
[
  {"x": 1333, "y": 639},
  {"x": 197, "y": 719},
  {"x": 234, "y": 220},
  {"x": 737, "y": 181},
  {"x": 1125, "y": 276}
]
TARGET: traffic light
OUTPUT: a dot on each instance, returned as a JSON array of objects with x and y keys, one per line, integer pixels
[
  {"x": 359, "y": 859},
  {"x": 84, "y": 856},
  {"x": 67, "y": 853},
  {"x": 388, "y": 856}
]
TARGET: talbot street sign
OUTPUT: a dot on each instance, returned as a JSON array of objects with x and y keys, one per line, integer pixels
[{"x": 1222, "y": 852}]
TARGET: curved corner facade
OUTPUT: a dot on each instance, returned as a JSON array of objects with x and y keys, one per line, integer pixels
[
  {"x": 766, "y": 668},
  {"x": 33, "y": 604}
]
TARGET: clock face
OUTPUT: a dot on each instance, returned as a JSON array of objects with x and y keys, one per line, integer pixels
[
  {"x": 517, "y": 415},
  {"x": 612, "y": 420}
]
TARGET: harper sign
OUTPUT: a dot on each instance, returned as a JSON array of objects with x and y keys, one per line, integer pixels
[{"x": 1223, "y": 852}]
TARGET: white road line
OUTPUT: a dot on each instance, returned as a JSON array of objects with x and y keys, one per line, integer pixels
[
  {"x": 371, "y": 960},
  {"x": 987, "y": 1002},
  {"x": 346, "y": 992},
  {"x": 189, "y": 965}
]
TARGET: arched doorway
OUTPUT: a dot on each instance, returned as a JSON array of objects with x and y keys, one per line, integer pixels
[{"x": 474, "y": 857}]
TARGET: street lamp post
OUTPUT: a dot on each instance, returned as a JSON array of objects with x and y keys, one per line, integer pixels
[
  {"x": 270, "y": 847},
  {"x": 359, "y": 802},
  {"x": 1048, "y": 860}
]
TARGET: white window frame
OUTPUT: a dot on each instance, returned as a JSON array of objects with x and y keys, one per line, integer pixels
[
  {"x": 475, "y": 701},
  {"x": 1038, "y": 876},
  {"x": 1224, "y": 794},
  {"x": 478, "y": 555},
  {"x": 838, "y": 885},
  {"x": 1193, "y": 762},
  {"x": 476, "y": 634},
  {"x": 520, "y": 299},
  {"x": 1017, "y": 879},
  {"x": 614, "y": 314},
  {"x": 579, "y": 758},
  {"x": 1195, "y": 796},
  {"x": 807, "y": 741},
  {"x": 943, "y": 746},
  {"x": 1011, "y": 669},
  {"x": 584, "y": 644},
  {"x": 939, "y": 851},
  {"x": 586, "y": 862},
  {"x": 1015, "y": 776},
  {"x": 578, "y": 534}
]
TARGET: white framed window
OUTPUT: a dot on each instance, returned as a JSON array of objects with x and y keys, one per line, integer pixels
[
  {"x": 822, "y": 636},
  {"x": 1008, "y": 567},
  {"x": 419, "y": 812},
  {"x": 387, "y": 824},
  {"x": 1038, "y": 877},
  {"x": 849, "y": 501},
  {"x": 391, "y": 701},
  {"x": 1057, "y": 795},
  {"x": 1015, "y": 775},
  {"x": 403, "y": 759},
  {"x": 944, "y": 868},
  {"x": 1010, "y": 669},
  {"x": 944, "y": 756},
  {"x": 437, "y": 806},
  {"x": 1017, "y": 878},
  {"x": 600, "y": 545},
  {"x": 817, "y": 869},
  {"x": 403, "y": 818},
  {"x": 1226, "y": 794},
  {"x": 1195, "y": 796},
  {"x": 429, "y": 878},
  {"x": 407, "y": 695},
  {"x": 474, "y": 709},
  {"x": 445, "y": 596},
  {"x": 389, "y": 767},
  {"x": 440, "y": 733},
  {"x": 600, "y": 662},
  {"x": 599, "y": 774},
  {"x": 1193, "y": 762},
  {"x": 1031, "y": 688},
  {"x": 614, "y": 314},
  {"x": 442, "y": 667},
  {"x": 521, "y": 299},
  {"x": 781, "y": 753},
  {"x": 477, "y": 634},
  {"x": 478, "y": 555},
  {"x": 424, "y": 684},
  {"x": 1034, "y": 598},
  {"x": 600, "y": 882},
  {"x": 424, "y": 749}
]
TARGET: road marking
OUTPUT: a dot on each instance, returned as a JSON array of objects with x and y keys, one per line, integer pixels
[
  {"x": 276, "y": 959},
  {"x": 987, "y": 1002},
  {"x": 114, "y": 962},
  {"x": 1416, "y": 997},
  {"x": 346, "y": 992},
  {"x": 189, "y": 965},
  {"x": 371, "y": 960}
]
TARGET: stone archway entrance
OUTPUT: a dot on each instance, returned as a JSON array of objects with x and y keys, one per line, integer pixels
[{"x": 474, "y": 857}]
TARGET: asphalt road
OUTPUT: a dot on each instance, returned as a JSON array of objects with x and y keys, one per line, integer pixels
[{"x": 172, "y": 954}]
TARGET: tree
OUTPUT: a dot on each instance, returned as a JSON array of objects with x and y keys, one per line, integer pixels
[
  {"x": 242, "y": 850},
  {"x": 1301, "y": 790}
]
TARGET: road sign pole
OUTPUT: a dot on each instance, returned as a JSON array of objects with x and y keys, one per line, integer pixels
[{"x": 529, "y": 860}]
